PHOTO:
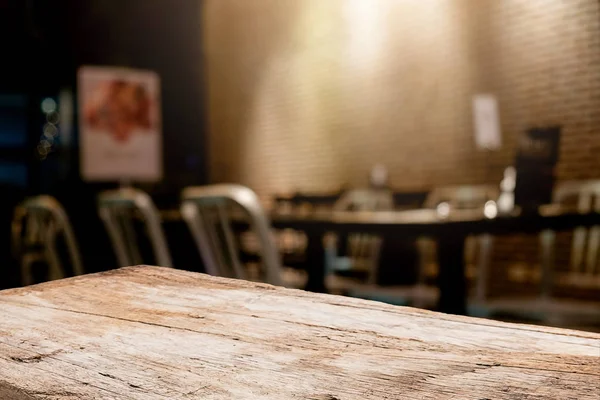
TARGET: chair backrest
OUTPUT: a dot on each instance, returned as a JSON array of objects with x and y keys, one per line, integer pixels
[
  {"x": 117, "y": 209},
  {"x": 38, "y": 220},
  {"x": 207, "y": 210},
  {"x": 306, "y": 202},
  {"x": 460, "y": 197},
  {"x": 409, "y": 200},
  {"x": 586, "y": 242},
  {"x": 366, "y": 200}
]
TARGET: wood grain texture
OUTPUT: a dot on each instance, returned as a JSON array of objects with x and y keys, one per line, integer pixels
[{"x": 154, "y": 333}]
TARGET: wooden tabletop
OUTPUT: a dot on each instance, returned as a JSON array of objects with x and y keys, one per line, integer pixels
[
  {"x": 154, "y": 333},
  {"x": 422, "y": 216}
]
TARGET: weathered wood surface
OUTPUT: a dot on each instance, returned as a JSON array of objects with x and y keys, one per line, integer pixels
[{"x": 153, "y": 333}]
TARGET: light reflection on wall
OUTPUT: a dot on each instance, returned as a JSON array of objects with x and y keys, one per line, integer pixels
[
  {"x": 296, "y": 88},
  {"x": 310, "y": 94},
  {"x": 338, "y": 45},
  {"x": 333, "y": 74},
  {"x": 366, "y": 30}
]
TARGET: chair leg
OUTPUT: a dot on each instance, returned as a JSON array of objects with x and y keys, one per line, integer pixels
[
  {"x": 115, "y": 236},
  {"x": 55, "y": 268},
  {"x": 547, "y": 239},
  {"x": 485, "y": 251},
  {"x": 26, "y": 275}
]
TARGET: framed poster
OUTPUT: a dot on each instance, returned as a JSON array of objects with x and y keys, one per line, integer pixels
[
  {"x": 120, "y": 133},
  {"x": 486, "y": 120}
]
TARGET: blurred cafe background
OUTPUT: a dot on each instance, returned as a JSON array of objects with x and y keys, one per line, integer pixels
[{"x": 441, "y": 154}]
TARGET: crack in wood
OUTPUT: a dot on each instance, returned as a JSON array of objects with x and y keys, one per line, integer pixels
[{"x": 34, "y": 359}]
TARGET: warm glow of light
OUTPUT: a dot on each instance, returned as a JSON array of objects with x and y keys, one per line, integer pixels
[
  {"x": 366, "y": 31},
  {"x": 443, "y": 210},
  {"x": 490, "y": 210},
  {"x": 53, "y": 117},
  {"x": 50, "y": 130}
]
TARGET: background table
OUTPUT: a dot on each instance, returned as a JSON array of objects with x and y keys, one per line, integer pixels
[
  {"x": 155, "y": 333},
  {"x": 450, "y": 234}
]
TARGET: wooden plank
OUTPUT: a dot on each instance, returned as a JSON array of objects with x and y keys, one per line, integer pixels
[{"x": 154, "y": 333}]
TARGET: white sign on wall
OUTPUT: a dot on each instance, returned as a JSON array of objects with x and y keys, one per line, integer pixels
[
  {"x": 120, "y": 129},
  {"x": 486, "y": 122}
]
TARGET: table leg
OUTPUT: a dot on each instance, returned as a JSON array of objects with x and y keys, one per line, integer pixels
[
  {"x": 315, "y": 262},
  {"x": 451, "y": 279}
]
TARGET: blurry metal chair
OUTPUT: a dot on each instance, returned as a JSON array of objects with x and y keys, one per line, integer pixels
[
  {"x": 477, "y": 248},
  {"x": 207, "y": 212},
  {"x": 118, "y": 209},
  {"x": 36, "y": 225}
]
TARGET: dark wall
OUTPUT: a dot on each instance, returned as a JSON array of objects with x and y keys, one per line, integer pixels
[
  {"x": 45, "y": 41},
  {"x": 162, "y": 36}
]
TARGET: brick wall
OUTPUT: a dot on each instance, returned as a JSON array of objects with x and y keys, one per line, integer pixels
[{"x": 308, "y": 95}]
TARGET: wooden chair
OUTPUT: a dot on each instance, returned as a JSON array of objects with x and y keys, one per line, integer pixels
[
  {"x": 208, "y": 212},
  {"x": 292, "y": 243},
  {"x": 362, "y": 250},
  {"x": 118, "y": 209},
  {"x": 37, "y": 223},
  {"x": 584, "y": 269},
  {"x": 581, "y": 273}
]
